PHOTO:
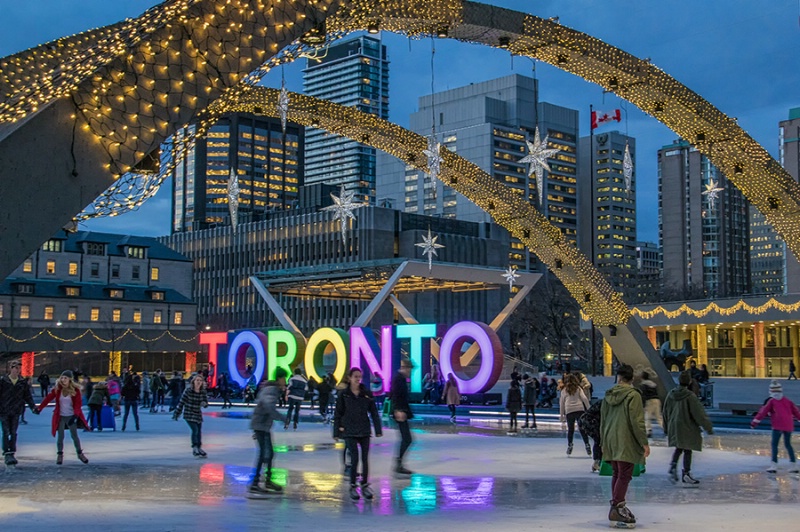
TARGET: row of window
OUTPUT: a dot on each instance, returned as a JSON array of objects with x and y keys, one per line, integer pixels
[
  {"x": 72, "y": 269},
  {"x": 94, "y": 314}
]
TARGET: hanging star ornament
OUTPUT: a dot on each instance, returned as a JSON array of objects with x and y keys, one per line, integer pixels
[
  {"x": 233, "y": 198},
  {"x": 429, "y": 247},
  {"x": 511, "y": 276},
  {"x": 712, "y": 193},
  {"x": 342, "y": 209},
  {"x": 283, "y": 105},
  {"x": 434, "y": 159},
  {"x": 538, "y": 153},
  {"x": 627, "y": 169}
]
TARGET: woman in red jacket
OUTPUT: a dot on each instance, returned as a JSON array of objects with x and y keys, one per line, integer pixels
[{"x": 67, "y": 414}]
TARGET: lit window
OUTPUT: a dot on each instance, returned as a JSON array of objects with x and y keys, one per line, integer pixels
[
  {"x": 1, "y": 311},
  {"x": 136, "y": 252},
  {"x": 157, "y": 296},
  {"x": 178, "y": 317},
  {"x": 137, "y": 316},
  {"x": 73, "y": 291},
  {"x": 157, "y": 316},
  {"x": 116, "y": 315},
  {"x": 27, "y": 266},
  {"x": 95, "y": 314},
  {"x": 49, "y": 311},
  {"x": 24, "y": 312},
  {"x": 51, "y": 267},
  {"x": 154, "y": 274},
  {"x": 116, "y": 293},
  {"x": 73, "y": 268},
  {"x": 72, "y": 314},
  {"x": 52, "y": 245}
]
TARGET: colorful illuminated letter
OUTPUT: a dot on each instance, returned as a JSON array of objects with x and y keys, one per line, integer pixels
[
  {"x": 315, "y": 348},
  {"x": 281, "y": 357},
  {"x": 416, "y": 333},
  {"x": 238, "y": 349},
  {"x": 212, "y": 340},
  {"x": 491, "y": 355},
  {"x": 363, "y": 347}
]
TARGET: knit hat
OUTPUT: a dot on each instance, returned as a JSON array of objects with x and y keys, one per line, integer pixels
[
  {"x": 67, "y": 373},
  {"x": 775, "y": 387},
  {"x": 684, "y": 379}
]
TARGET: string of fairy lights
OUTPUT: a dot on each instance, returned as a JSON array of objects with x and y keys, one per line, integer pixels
[
  {"x": 89, "y": 332},
  {"x": 135, "y": 84},
  {"x": 713, "y": 307}
]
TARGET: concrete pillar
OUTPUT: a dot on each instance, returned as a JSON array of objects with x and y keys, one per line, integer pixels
[
  {"x": 607, "y": 360},
  {"x": 738, "y": 340},
  {"x": 758, "y": 350},
  {"x": 794, "y": 341},
  {"x": 651, "y": 335},
  {"x": 702, "y": 345}
]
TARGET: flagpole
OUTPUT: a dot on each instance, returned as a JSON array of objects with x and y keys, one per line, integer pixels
[{"x": 593, "y": 221}]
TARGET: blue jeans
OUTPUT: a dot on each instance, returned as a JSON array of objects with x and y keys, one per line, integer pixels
[
  {"x": 131, "y": 405},
  {"x": 776, "y": 435},
  {"x": 196, "y": 433},
  {"x": 265, "y": 454}
]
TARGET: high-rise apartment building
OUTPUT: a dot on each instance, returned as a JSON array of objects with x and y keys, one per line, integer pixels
[
  {"x": 789, "y": 144},
  {"x": 704, "y": 242},
  {"x": 648, "y": 272},
  {"x": 267, "y": 161},
  {"x": 488, "y": 124},
  {"x": 354, "y": 73},
  {"x": 607, "y": 220}
]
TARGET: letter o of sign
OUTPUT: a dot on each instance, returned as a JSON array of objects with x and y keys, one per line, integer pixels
[
  {"x": 238, "y": 350},
  {"x": 491, "y": 355}
]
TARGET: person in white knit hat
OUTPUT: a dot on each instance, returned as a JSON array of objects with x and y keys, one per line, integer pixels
[{"x": 782, "y": 412}]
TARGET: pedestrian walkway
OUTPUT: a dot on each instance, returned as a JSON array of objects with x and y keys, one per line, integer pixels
[{"x": 466, "y": 480}]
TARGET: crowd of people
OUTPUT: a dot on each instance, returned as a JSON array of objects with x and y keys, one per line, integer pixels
[{"x": 619, "y": 425}]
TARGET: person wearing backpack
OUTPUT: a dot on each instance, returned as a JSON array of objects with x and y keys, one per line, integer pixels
[
  {"x": 295, "y": 393},
  {"x": 589, "y": 424}
]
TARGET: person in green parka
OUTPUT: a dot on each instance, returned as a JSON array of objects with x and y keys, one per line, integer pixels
[
  {"x": 624, "y": 441},
  {"x": 683, "y": 417}
]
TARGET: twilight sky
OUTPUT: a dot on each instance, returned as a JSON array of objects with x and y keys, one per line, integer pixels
[{"x": 740, "y": 55}]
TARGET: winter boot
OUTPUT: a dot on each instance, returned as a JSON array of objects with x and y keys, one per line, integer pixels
[
  {"x": 59, "y": 458},
  {"x": 688, "y": 479},
  {"x": 354, "y": 492},
  {"x": 588, "y": 449},
  {"x": 82, "y": 457},
  {"x": 673, "y": 472},
  {"x": 621, "y": 517},
  {"x": 773, "y": 467},
  {"x": 569, "y": 449}
]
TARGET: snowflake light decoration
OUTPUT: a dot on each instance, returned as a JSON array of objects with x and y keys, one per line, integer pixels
[
  {"x": 538, "y": 153},
  {"x": 511, "y": 276},
  {"x": 429, "y": 247},
  {"x": 342, "y": 209},
  {"x": 434, "y": 159},
  {"x": 712, "y": 193},
  {"x": 233, "y": 198},
  {"x": 627, "y": 169},
  {"x": 283, "y": 105}
]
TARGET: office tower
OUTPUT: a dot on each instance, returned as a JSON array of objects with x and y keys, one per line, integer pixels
[
  {"x": 648, "y": 272},
  {"x": 488, "y": 124},
  {"x": 705, "y": 243},
  {"x": 268, "y": 162},
  {"x": 607, "y": 209},
  {"x": 354, "y": 73},
  {"x": 790, "y": 159}
]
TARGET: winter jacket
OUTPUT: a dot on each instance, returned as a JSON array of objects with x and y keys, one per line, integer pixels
[
  {"x": 586, "y": 386},
  {"x": 176, "y": 386},
  {"x": 14, "y": 396},
  {"x": 572, "y": 402},
  {"x": 266, "y": 410},
  {"x": 190, "y": 404},
  {"x": 683, "y": 417},
  {"x": 100, "y": 395},
  {"x": 43, "y": 380},
  {"x": 514, "y": 400},
  {"x": 353, "y": 413},
  {"x": 622, "y": 425},
  {"x": 156, "y": 384},
  {"x": 782, "y": 412},
  {"x": 130, "y": 390},
  {"x": 77, "y": 402},
  {"x": 296, "y": 387},
  {"x": 589, "y": 422},
  {"x": 530, "y": 392},
  {"x": 113, "y": 387},
  {"x": 451, "y": 395},
  {"x": 649, "y": 391},
  {"x": 399, "y": 395}
]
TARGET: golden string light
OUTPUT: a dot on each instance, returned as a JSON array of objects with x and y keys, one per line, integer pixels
[
  {"x": 739, "y": 306},
  {"x": 94, "y": 335}
]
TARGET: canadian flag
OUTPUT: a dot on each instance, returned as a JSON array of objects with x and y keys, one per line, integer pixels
[{"x": 603, "y": 117}]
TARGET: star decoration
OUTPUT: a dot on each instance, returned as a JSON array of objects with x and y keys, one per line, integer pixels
[
  {"x": 538, "y": 153},
  {"x": 511, "y": 276},
  {"x": 429, "y": 247},
  {"x": 283, "y": 105},
  {"x": 627, "y": 169},
  {"x": 342, "y": 209},
  {"x": 712, "y": 193},
  {"x": 233, "y": 198},
  {"x": 434, "y": 159}
]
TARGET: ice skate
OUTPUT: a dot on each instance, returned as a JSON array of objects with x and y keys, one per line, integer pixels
[
  {"x": 453, "y": 419},
  {"x": 59, "y": 458},
  {"x": 793, "y": 468},
  {"x": 194, "y": 452},
  {"x": 773, "y": 467},
  {"x": 673, "y": 473},
  {"x": 588, "y": 449},
  {"x": 354, "y": 492},
  {"x": 688, "y": 480},
  {"x": 569, "y": 449},
  {"x": 256, "y": 492},
  {"x": 295, "y": 426},
  {"x": 620, "y": 517},
  {"x": 366, "y": 491},
  {"x": 201, "y": 452},
  {"x": 596, "y": 466},
  {"x": 82, "y": 457},
  {"x": 272, "y": 487},
  {"x": 401, "y": 472}
]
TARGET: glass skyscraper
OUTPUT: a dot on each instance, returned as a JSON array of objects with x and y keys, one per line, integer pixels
[{"x": 354, "y": 73}]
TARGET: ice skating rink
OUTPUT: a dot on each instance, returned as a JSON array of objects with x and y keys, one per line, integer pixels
[{"x": 468, "y": 477}]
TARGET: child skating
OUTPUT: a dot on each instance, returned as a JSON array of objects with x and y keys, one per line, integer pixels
[
  {"x": 782, "y": 412},
  {"x": 264, "y": 414}
]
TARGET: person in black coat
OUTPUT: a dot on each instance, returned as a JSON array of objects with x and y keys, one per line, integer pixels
[
  {"x": 44, "y": 382},
  {"x": 401, "y": 412},
  {"x": 354, "y": 408},
  {"x": 15, "y": 393}
]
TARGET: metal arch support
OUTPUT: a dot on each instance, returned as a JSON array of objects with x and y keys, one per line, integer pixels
[
  {"x": 276, "y": 309},
  {"x": 369, "y": 312}
]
